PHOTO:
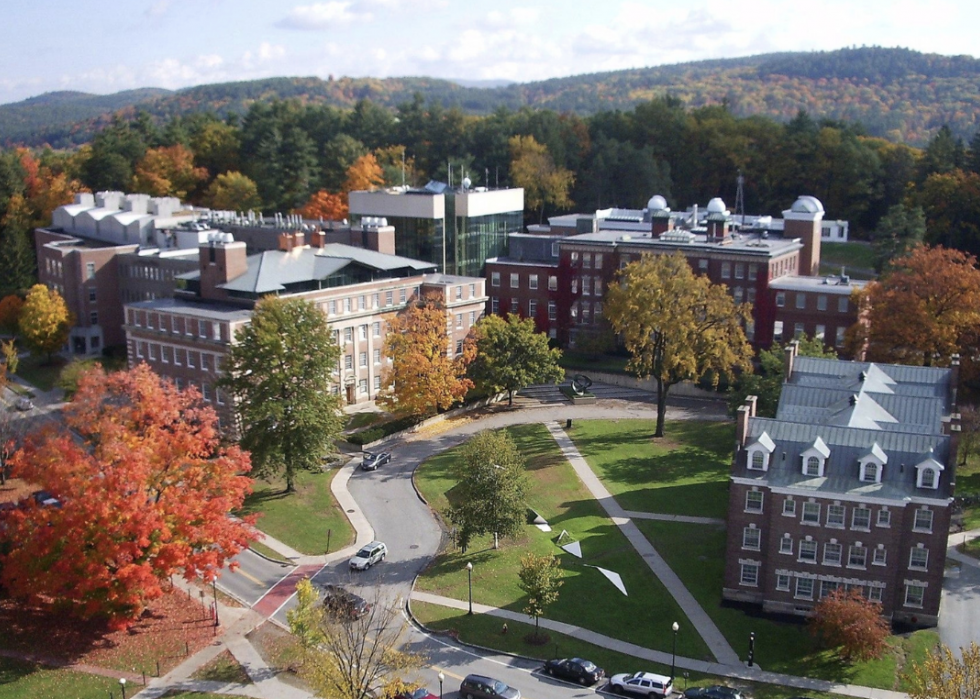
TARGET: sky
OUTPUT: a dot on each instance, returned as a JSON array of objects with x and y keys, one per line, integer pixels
[{"x": 104, "y": 46}]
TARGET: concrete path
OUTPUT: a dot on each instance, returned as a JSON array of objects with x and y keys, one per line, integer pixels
[
  {"x": 742, "y": 672},
  {"x": 716, "y": 641},
  {"x": 959, "y": 619},
  {"x": 685, "y": 519}
]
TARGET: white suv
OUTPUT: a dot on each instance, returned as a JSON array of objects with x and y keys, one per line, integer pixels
[
  {"x": 643, "y": 683},
  {"x": 369, "y": 555}
]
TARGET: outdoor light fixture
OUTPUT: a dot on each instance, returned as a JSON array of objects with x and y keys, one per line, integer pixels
[{"x": 469, "y": 575}]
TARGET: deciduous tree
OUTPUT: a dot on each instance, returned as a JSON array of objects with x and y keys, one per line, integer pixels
[
  {"x": 851, "y": 624},
  {"x": 541, "y": 578},
  {"x": 511, "y": 355},
  {"x": 491, "y": 490},
  {"x": 233, "y": 191},
  {"x": 168, "y": 171},
  {"x": 364, "y": 174},
  {"x": 45, "y": 321},
  {"x": 533, "y": 168},
  {"x": 676, "y": 326},
  {"x": 423, "y": 376},
  {"x": 944, "y": 676},
  {"x": 922, "y": 311},
  {"x": 351, "y": 658},
  {"x": 145, "y": 489},
  {"x": 279, "y": 373},
  {"x": 325, "y": 205},
  {"x": 10, "y": 308}
]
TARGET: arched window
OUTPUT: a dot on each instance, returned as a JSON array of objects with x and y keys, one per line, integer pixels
[
  {"x": 870, "y": 472},
  {"x": 928, "y": 478},
  {"x": 812, "y": 466},
  {"x": 758, "y": 460}
]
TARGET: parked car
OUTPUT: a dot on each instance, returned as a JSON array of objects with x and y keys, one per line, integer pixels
[
  {"x": 369, "y": 555},
  {"x": 645, "y": 684},
  {"x": 715, "y": 691},
  {"x": 575, "y": 669},
  {"x": 343, "y": 604},
  {"x": 24, "y": 404},
  {"x": 372, "y": 460},
  {"x": 420, "y": 693},
  {"x": 480, "y": 687}
]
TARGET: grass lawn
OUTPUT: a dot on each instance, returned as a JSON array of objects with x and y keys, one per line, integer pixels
[
  {"x": 264, "y": 550},
  {"x": 223, "y": 668},
  {"x": 20, "y": 679},
  {"x": 586, "y": 598},
  {"x": 303, "y": 518},
  {"x": 486, "y": 631},
  {"x": 39, "y": 372},
  {"x": 686, "y": 472},
  {"x": 697, "y": 554},
  {"x": 848, "y": 255}
]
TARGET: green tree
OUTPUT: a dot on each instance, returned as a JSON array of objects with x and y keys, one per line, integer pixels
[
  {"x": 351, "y": 658},
  {"x": 491, "y": 489},
  {"x": 17, "y": 263},
  {"x": 944, "y": 676},
  {"x": 898, "y": 231},
  {"x": 541, "y": 578},
  {"x": 767, "y": 383},
  {"x": 45, "y": 321},
  {"x": 533, "y": 168},
  {"x": 677, "y": 326},
  {"x": 511, "y": 355},
  {"x": 279, "y": 373},
  {"x": 233, "y": 191}
]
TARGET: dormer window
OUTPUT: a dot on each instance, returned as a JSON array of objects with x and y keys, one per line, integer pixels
[
  {"x": 872, "y": 464},
  {"x": 927, "y": 473},
  {"x": 815, "y": 459},
  {"x": 759, "y": 452}
]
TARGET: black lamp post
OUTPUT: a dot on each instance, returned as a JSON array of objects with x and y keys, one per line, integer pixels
[
  {"x": 675, "y": 627},
  {"x": 751, "y": 648},
  {"x": 442, "y": 678},
  {"x": 122, "y": 686},
  {"x": 214, "y": 590},
  {"x": 469, "y": 575}
]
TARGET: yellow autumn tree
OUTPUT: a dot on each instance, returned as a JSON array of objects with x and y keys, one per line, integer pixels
[
  {"x": 677, "y": 326},
  {"x": 168, "y": 171},
  {"x": 233, "y": 191},
  {"x": 944, "y": 676},
  {"x": 364, "y": 173},
  {"x": 423, "y": 376},
  {"x": 533, "y": 168},
  {"x": 45, "y": 321}
]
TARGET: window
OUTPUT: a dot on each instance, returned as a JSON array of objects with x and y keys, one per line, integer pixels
[
  {"x": 811, "y": 466},
  {"x": 597, "y": 286},
  {"x": 879, "y": 555},
  {"x": 554, "y": 249},
  {"x": 402, "y": 295},
  {"x": 362, "y": 386},
  {"x": 839, "y": 336},
  {"x": 586, "y": 286},
  {"x": 874, "y": 594},
  {"x": 842, "y": 304},
  {"x": 798, "y": 330},
  {"x": 377, "y": 356},
  {"x": 348, "y": 361},
  {"x": 811, "y": 513},
  {"x": 515, "y": 280},
  {"x": 597, "y": 309},
  {"x": 459, "y": 347},
  {"x": 361, "y": 302},
  {"x": 750, "y": 574},
  {"x": 191, "y": 359},
  {"x": 363, "y": 331},
  {"x": 914, "y": 594},
  {"x": 923, "y": 521},
  {"x": 375, "y": 300},
  {"x": 153, "y": 352},
  {"x": 206, "y": 392},
  {"x": 140, "y": 348},
  {"x": 808, "y": 550},
  {"x": 821, "y": 302},
  {"x": 857, "y": 556},
  {"x": 789, "y": 507},
  {"x": 514, "y": 305},
  {"x": 205, "y": 362},
  {"x": 777, "y": 330},
  {"x": 377, "y": 383},
  {"x": 740, "y": 270},
  {"x": 473, "y": 317},
  {"x": 927, "y": 476},
  {"x": 800, "y": 300},
  {"x": 832, "y": 553},
  {"x": 473, "y": 291},
  {"x": 532, "y": 308},
  {"x": 363, "y": 359},
  {"x": 552, "y": 283},
  {"x": 750, "y": 295},
  {"x": 753, "y": 272},
  {"x": 804, "y": 588},
  {"x": 753, "y": 501},
  {"x": 758, "y": 461},
  {"x": 495, "y": 279},
  {"x": 178, "y": 356},
  {"x": 376, "y": 329},
  {"x": 532, "y": 281},
  {"x": 459, "y": 293},
  {"x": 90, "y": 270},
  {"x": 93, "y": 318},
  {"x": 389, "y": 296},
  {"x": 347, "y": 306},
  {"x": 598, "y": 260},
  {"x": 786, "y": 544},
  {"x": 738, "y": 294},
  {"x": 820, "y": 333},
  {"x": 861, "y": 519},
  {"x": 835, "y": 516},
  {"x": 780, "y": 299},
  {"x": 348, "y": 335},
  {"x": 726, "y": 270},
  {"x": 703, "y": 266},
  {"x": 91, "y": 294},
  {"x": 751, "y": 538},
  {"x": 870, "y": 472},
  {"x": 459, "y": 320},
  {"x": 782, "y": 582},
  {"x": 574, "y": 257},
  {"x": 828, "y": 586},
  {"x": 919, "y": 558},
  {"x": 552, "y": 311},
  {"x": 495, "y": 305},
  {"x": 587, "y": 260},
  {"x": 884, "y": 517}
]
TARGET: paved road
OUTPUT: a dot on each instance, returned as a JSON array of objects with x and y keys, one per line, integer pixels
[
  {"x": 255, "y": 576},
  {"x": 959, "y": 619}
]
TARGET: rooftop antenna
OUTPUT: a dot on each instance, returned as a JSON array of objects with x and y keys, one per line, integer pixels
[
  {"x": 497, "y": 171},
  {"x": 403, "y": 168},
  {"x": 740, "y": 199},
  {"x": 486, "y": 176},
  {"x": 450, "y": 164}
]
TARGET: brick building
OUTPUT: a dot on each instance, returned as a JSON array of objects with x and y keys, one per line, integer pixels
[
  {"x": 358, "y": 290},
  {"x": 850, "y": 486}
]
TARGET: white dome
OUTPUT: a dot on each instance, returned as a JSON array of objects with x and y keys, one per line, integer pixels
[
  {"x": 807, "y": 205},
  {"x": 467, "y": 183},
  {"x": 716, "y": 206},
  {"x": 657, "y": 203}
]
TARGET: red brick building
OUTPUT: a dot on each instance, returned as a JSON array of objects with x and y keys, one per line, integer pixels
[{"x": 849, "y": 486}]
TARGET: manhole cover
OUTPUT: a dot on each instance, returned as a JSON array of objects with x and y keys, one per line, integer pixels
[
  {"x": 414, "y": 546},
  {"x": 350, "y": 510}
]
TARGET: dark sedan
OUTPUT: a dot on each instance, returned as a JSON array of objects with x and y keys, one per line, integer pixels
[
  {"x": 420, "y": 693},
  {"x": 715, "y": 691},
  {"x": 344, "y": 605},
  {"x": 575, "y": 669},
  {"x": 372, "y": 460}
]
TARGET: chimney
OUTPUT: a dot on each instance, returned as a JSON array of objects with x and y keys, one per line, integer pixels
[
  {"x": 286, "y": 242},
  {"x": 299, "y": 239},
  {"x": 802, "y": 221},
  {"x": 789, "y": 359},
  {"x": 219, "y": 262},
  {"x": 744, "y": 413},
  {"x": 318, "y": 239},
  {"x": 379, "y": 239}
]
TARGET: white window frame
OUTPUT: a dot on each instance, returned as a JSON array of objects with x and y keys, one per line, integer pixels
[
  {"x": 923, "y": 527},
  {"x": 838, "y": 512},
  {"x": 752, "y": 538},
  {"x": 751, "y": 499},
  {"x": 916, "y": 553},
  {"x": 789, "y": 507},
  {"x": 749, "y": 575},
  {"x": 813, "y": 516},
  {"x": 807, "y": 551},
  {"x": 832, "y": 560}
]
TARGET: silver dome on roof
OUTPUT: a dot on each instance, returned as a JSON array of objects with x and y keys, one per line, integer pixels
[
  {"x": 717, "y": 206},
  {"x": 807, "y": 205},
  {"x": 657, "y": 203}
]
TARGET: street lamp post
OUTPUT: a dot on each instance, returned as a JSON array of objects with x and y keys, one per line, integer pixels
[
  {"x": 469, "y": 575},
  {"x": 214, "y": 590},
  {"x": 122, "y": 686},
  {"x": 751, "y": 648},
  {"x": 675, "y": 627},
  {"x": 442, "y": 678}
]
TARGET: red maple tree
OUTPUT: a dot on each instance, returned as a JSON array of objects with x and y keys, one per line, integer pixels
[
  {"x": 145, "y": 490},
  {"x": 851, "y": 623}
]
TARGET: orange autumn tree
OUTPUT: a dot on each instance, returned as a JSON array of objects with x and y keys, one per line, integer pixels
[
  {"x": 146, "y": 490},
  {"x": 168, "y": 171},
  {"x": 365, "y": 173},
  {"x": 423, "y": 376},
  {"x": 325, "y": 205},
  {"x": 852, "y": 624}
]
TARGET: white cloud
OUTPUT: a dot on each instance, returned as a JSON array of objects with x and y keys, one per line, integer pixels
[
  {"x": 158, "y": 8},
  {"x": 322, "y": 15}
]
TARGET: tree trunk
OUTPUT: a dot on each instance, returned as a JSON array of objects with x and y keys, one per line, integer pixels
[
  {"x": 510, "y": 397},
  {"x": 661, "y": 406}
]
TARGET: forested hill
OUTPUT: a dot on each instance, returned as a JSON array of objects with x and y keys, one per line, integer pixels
[{"x": 900, "y": 94}]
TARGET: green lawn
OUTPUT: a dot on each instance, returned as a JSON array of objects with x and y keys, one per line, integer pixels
[
  {"x": 303, "y": 518},
  {"x": 23, "y": 680},
  {"x": 586, "y": 598},
  {"x": 686, "y": 472},
  {"x": 40, "y": 372},
  {"x": 697, "y": 554},
  {"x": 847, "y": 254}
]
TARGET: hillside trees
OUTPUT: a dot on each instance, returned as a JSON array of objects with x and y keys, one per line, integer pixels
[
  {"x": 544, "y": 183},
  {"x": 287, "y": 413},
  {"x": 898, "y": 231},
  {"x": 676, "y": 326},
  {"x": 145, "y": 489}
]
